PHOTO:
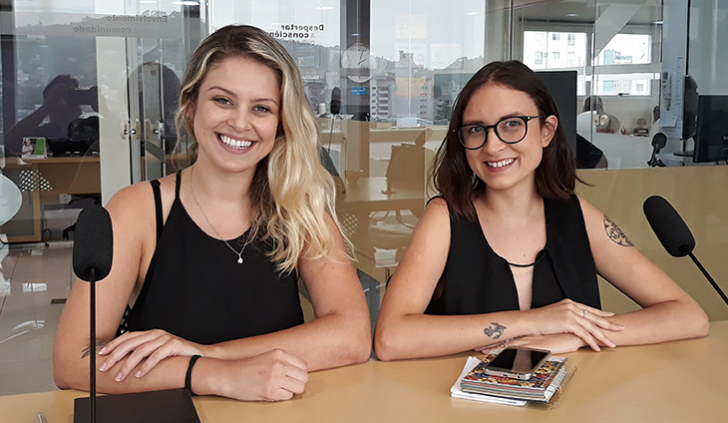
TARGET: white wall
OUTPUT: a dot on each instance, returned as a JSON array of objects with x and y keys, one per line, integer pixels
[{"x": 708, "y": 60}]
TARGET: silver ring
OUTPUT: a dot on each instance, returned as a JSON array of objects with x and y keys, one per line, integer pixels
[{"x": 585, "y": 313}]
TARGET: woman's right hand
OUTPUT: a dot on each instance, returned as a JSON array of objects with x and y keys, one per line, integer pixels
[
  {"x": 567, "y": 316},
  {"x": 271, "y": 376}
]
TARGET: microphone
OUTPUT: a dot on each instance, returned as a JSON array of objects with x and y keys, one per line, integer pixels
[
  {"x": 659, "y": 140},
  {"x": 336, "y": 101},
  {"x": 93, "y": 246},
  {"x": 335, "y": 110},
  {"x": 674, "y": 234},
  {"x": 93, "y": 253}
]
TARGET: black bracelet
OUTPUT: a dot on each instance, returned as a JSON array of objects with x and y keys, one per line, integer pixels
[{"x": 188, "y": 376}]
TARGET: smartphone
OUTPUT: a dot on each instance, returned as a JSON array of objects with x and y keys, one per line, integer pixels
[{"x": 517, "y": 363}]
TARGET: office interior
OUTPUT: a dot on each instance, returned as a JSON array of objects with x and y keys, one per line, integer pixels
[{"x": 381, "y": 78}]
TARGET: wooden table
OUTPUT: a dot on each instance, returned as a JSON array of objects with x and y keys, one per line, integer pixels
[{"x": 673, "y": 382}]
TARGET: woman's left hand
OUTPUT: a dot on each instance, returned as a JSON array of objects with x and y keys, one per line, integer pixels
[{"x": 154, "y": 345}]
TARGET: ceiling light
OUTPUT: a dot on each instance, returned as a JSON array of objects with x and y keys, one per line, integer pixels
[{"x": 325, "y": 8}]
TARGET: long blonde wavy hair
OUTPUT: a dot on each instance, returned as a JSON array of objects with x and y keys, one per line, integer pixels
[{"x": 291, "y": 192}]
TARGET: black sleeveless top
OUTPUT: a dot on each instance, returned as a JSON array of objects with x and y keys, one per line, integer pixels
[
  {"x": 476, "y": 280},
  {"x": 196, "y": 289}
]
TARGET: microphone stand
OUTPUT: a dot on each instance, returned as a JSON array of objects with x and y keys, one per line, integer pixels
[
  {"x": 658, "y": 143},
  {"x": 92, "y": 348},
  {"x": 707, "y": 276},
  {"x": 654, "y": 161}
]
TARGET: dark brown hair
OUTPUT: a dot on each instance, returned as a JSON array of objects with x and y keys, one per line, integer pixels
[{"x": 452, "y": 176}]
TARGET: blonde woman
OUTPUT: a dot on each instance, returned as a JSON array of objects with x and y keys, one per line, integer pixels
[{"x": 206, "y": 261}]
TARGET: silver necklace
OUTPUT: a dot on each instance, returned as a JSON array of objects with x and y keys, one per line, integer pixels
[{"x": 192, "y": 188}]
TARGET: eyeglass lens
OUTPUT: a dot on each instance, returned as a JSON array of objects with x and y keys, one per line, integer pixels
[{"x": 510, "y": 130}]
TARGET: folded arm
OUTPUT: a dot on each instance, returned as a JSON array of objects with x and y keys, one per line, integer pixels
[
  {"x": 270, "y": 376},
  {"x": 667, "y": 313},
  {"x": 404, "y": 331},
  {"x": 70, "y": 366},
  {"x": 340, "y": 334}
]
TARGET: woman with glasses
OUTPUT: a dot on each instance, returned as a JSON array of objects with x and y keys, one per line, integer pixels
[{"x": 508, "y": 254}]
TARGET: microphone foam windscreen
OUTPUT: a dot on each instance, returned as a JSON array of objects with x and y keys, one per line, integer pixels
[
  {"x": 336, "y": 101},
  {"x": 93, "y": 245},
  {"x": 669, "y": 227},
  {"x": 659, "y": 140}
]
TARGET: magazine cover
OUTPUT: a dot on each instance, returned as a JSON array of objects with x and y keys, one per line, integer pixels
[
  {"x": 541, "y": 387},
  {"x": 540, "y": 379}
]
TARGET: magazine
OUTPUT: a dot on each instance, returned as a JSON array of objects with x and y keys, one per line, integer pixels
[
  {"x": 456, "y": 392},
  {"x": 541, "y": 387}
]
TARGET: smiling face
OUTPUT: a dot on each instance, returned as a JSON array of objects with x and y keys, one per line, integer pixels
[
  {"x": 236, "y": 114},
  {"x": 504, "y": 166}
]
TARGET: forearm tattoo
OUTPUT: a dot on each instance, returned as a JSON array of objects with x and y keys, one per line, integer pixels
[
  {"x": 495, "y": 329},
  {"x": 100, "y": 343},
  {"x": 616, "y": 234}
]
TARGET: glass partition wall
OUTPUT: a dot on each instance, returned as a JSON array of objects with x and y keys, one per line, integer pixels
[
  {"x": 381, "y": 77},
  {"x": 89, "y": 92},
  {"x": 615, "y": 50}
]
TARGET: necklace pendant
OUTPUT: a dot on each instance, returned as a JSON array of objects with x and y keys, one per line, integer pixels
[{"x": 240, "y": 260}]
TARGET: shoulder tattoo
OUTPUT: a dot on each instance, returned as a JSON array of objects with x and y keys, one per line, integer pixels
[
  {"x": 495, "y": 329},
  {"x": 616, "y": 234}
]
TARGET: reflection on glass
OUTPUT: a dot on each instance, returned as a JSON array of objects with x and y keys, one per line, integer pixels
[
  {"x": 554, "y": 50},
  {"x": 627, "y": 49},
  {"x": 35, "y": 287}
]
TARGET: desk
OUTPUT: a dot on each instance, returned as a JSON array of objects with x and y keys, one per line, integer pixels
[
  {"x": 66, "y": 175},
  {"x": 368, "y": 195},
  {"x": 628, "y": 384}
]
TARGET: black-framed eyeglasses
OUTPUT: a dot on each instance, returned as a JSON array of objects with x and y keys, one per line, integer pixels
[{"x": 510, "y": 130}]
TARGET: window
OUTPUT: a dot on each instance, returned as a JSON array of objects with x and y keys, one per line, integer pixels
[
  {"x": 633, "y": 84},
  {"x": 553, "y": 51},
  {"x": 555, "y": 36},
  {"x": 627, "y": 49},
  {"x": 571, "y": 39}
]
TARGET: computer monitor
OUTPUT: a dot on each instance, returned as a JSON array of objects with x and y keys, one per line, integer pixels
[
  {"x": 711, "y": 137},
  {"x": 562, "y": 86},
  {"x": 63, "y": 147},
  {"x": 690, "y": 108}
]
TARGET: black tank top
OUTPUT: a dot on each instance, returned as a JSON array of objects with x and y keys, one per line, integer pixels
[
  {"x": 476, "y": 280},
  {"x": 196, "y": 289}
]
